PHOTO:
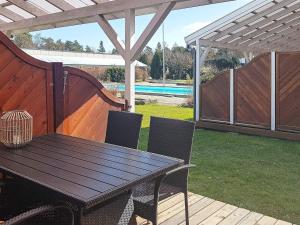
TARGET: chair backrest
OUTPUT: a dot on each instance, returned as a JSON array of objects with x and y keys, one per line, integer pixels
[
  {"x": 172, "y": 138},
  {"x": 123, "y": 128}
]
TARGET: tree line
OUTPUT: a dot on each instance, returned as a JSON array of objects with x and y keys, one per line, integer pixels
[
  {"x": 27, "y": 40},
  {"x": 178, "y": 59},
  {"x": 179, "y": 62}
]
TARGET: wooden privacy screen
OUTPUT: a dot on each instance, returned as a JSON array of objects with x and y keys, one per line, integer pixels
[
  {"x": 252, "y": 86},
  {"x": 78, "y": 107},
  {"x": 86, "y": 106},
  {"x": 215, "y": 98},
  {"x": 26, "y": 84},
  {"x": 288, "y": 91}
]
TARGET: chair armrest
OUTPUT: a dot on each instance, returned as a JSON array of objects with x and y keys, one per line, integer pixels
[
  {"x": 184, "y": 167},
  {"x": 43, "y": 210},
  {"x": 161, "y": 179}
]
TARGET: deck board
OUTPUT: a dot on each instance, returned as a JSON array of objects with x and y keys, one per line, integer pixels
[{"x": 207, "y": 211}]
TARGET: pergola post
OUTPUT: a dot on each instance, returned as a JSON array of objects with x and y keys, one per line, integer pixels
[
  {"x": 273, "y": 91},
  {"x": 129, "y": 63},
  {"x": 130, "y": 50},
  {"x": 231, "y": 109},
  {"x": 200, "y": 60}
]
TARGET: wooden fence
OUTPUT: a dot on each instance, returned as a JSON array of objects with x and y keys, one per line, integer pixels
[
  {"x": 264, "y": 94},
  {"x": 215, "y": 98},
  {"x": 60, "y": 99}
]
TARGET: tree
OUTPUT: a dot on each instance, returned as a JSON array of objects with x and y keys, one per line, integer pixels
[
  {"x": 114, "y": 51},
  {"x": 48, "y": 43},
  {"x": 68, "y": 45},
  {"x": 115, "y": 74},
  {"x": 101, "y": 48},
  {"x": 146, "y": 56},
  {"x": 224, "y": 60},
  {"x": 24, "y": 40},
  {"x": 73, "y": 46},
  {"x": 179, "y": 63},
  {"x": 158, "y": 47},
  {"x": 38, "y": 40},
  {"x": 156, "y": 65},
  {"x": 88, "y": 49},
  {"x": 60, "y": 45}
]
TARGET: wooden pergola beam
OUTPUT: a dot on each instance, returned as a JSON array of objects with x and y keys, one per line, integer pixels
[
  {"x": 252, "y": 19},
  {"x": 274, "y": 37},
  {"x": 110, "y": 9},
  {"x": 10, "y": 15},
  {"x": 63, "y": 5},
  {"x": 150, "y": 30},
  {"x": 28, "y": 7},
  {"x": 111, "y": 34},
  {"x": 216, "y": 44},
  {"x": 289, "y": 42},
  {"x": 286, "y": 21},
  {"x": 294, "y": 25},
  {"x": 260, "y": 26}
]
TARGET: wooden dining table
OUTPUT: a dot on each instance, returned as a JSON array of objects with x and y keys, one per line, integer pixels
[{"x": 88, "y": 173}]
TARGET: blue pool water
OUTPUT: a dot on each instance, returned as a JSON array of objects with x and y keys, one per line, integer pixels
[{"x": 155, "y": 89}]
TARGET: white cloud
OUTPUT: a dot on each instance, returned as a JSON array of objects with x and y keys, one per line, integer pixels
[{"x": 192, "y": 27}]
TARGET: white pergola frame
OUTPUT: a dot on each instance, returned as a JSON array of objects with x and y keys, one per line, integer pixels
[
  {"x": 259, "y": 26},
  {"x": 35, "y": 17}
]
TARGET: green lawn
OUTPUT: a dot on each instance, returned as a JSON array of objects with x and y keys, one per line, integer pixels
[{"x": 257, "y": 173}]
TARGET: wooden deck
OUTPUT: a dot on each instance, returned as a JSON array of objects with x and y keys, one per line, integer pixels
[{"x": 206, "y": 211}]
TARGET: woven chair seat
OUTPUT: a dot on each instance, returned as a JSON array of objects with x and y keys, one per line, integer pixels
[{"x": 143, "y": 193}]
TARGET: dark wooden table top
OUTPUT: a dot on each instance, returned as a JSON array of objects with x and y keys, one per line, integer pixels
[{"x": 88, "y": 172}]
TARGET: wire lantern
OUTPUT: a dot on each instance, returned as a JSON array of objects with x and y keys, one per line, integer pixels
[{"x": 16, "y": 128}]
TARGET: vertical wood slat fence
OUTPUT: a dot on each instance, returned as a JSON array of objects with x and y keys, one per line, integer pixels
[
  {"x": 60, "y": 99},
  {"x": 251, "y": 102}
]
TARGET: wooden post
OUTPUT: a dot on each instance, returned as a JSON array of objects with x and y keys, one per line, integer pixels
[
  {"x": 130, "y": 50},
  {"x": 129, "y": 63},
  {"x": 200, "y": 60},
  {"x": 58, "y": 79},
  {"x": 197, "y": 83},
  {"x": 231, "y": 96},
  {"x": 273, "y": 91}
]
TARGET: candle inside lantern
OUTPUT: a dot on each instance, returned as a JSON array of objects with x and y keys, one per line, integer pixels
[{"x": 16, "y": 139}]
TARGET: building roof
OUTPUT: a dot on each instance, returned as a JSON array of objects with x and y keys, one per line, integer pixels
[
  {"x": 30, "y": 15},
  {"x": 259, "y": 26},
  {"x": 76, "y": 58}
]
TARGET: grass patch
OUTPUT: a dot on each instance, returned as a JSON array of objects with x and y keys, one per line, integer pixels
[{"x": 256, "y": 173}]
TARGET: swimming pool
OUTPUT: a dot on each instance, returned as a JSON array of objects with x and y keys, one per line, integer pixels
[{"x": 154, "y": 89}]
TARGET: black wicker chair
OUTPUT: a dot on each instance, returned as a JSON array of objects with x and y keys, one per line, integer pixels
[
  {"x": 22, "y": 204},
  {"x": 44, "y": 215},
  {"x": 123, "y": 129},
  {"x": 171, "y": 138}
]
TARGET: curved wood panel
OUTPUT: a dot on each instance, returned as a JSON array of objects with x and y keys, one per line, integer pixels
[
  {"x": 288, "y": 91},
  {"x": 86, "y": 106},
  {"x": 215, "y": 97},
  {"x": 26, "y": 84},
  {"x": 253, "y": 92}
]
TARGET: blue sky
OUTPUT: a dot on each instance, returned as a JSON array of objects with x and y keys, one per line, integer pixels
[{"x": 177, "y": 25}]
